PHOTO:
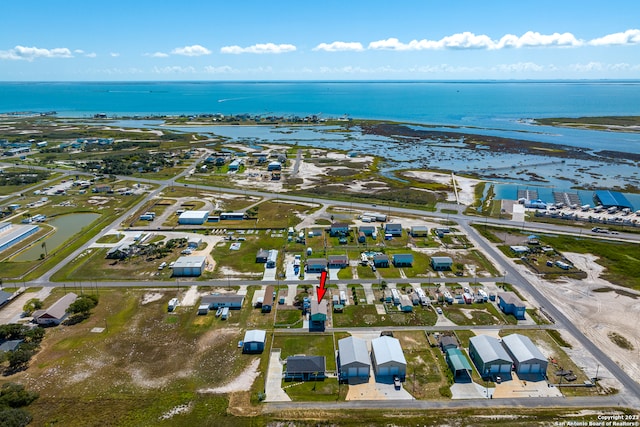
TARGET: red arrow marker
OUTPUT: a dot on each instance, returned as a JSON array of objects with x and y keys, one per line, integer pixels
[{"x": 321, "y": 290}]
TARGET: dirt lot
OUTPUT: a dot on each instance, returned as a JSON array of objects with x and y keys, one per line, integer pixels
[{"x": 596, "y": 314}]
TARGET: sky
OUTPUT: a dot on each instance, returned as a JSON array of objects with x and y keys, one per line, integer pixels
[{"x": 158, "y": 40}]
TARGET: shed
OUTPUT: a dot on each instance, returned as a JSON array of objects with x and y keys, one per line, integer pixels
[
  {"x": 526, "y": 356},
  {"x": 193, "y": 217},
  {"x": 189, "y": 266},
  {"x": 419, "y": 231},
  {"x": 353, "y": 358},
  {"x": 254, "y": 341},
  {"x": 203, "y": 309},
  {"x": 509, "y": 303},
  {"x": 305, "y": 368},
  {"x": 338, "y": 261},
  {"x": 458, "y": 363},
  {"x": 440, "y": 263},
  {"x": 316, "y": 265},
  {"x": 55, "y": 314},
  {"x": 403, "y": 260},
  {"x": 395, "y": 229},
  {"x": 234, "y": 165},
  {"x": 387, "y": 357},
  {"x": 318, "y": 315},
  {"x": 381, "y": 260},
  {"x": 489, "y": 356}
]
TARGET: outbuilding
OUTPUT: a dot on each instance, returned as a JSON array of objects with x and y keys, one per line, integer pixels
[
  {"x": 458, "y": 363},
  {"x": 55, "y": 314},
  {"x": 274, "y": 166},
  {"x": 193, "y": 217},
  {"x": 194, "y": 242},
  {"x": 387, "y": 357},
  {"x": 509, "y": 303},
  {"x": 441, "y": 263},
  {"x": 489, "y": 356},
  {"x": 353, "y": 358},
  {"x": 526, "y": 356},
  {"x": 367, "y": 230},
  {"x": 262, "y": 255},
  {"x": 189, "y": 266},
  {"x": 254, "y": 341}
]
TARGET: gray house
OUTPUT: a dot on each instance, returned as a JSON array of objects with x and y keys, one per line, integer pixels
[{"x": 305, "y": 368}]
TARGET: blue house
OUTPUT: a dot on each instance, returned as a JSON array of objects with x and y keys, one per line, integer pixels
[
  {"x": 403, "y": 260},
  {"x": 509, "y": 303},
  {"x": 316, "y": 265},
  {"x": 339, "y": 229},
  {"x": 441, "y": 263},
  {"x": 381, "y": 260},
  {"x": 367, "y": 230},
  {"x": 393, "y": 229}
]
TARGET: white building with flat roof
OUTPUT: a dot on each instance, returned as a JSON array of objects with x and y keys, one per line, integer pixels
[
  {"x": 193, "y": 217},
  {"x": 189, "y": 266}
]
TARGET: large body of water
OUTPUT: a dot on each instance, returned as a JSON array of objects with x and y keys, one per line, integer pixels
[{"x": 488, "y": 108}]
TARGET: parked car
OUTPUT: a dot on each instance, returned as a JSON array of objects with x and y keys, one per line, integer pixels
[
  {"x": 396, "y": 382},
  {"x": 438, "y": 310}
]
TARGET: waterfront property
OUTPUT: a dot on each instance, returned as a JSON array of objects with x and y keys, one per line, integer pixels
[
  {"x": 353, "y": 358},
  {"x": 509, "y": 303},
  {"x": 189, "y": 266},
  {"x": 387, "y": 357},
  {"x": 611, "y": 199},
  {"x": 57, "y": 313},
  {"x": 11, "y": 234},
  {"x": 528, "y": 359},
  {"x": 489, "y": 356}
]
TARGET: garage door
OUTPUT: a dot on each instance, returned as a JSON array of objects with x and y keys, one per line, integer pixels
[
  {"x": 363, "y": 372},
  {"x": 505, "y": 368},
  {"x": 352, "y": 372},
  {"x": 524, "y": 368},
  {"x": 494, "y": 369},
  {"x": 535, "y": 368},
  {"x": 394, "y": 370},
  {"x": 383, "y": 371}
]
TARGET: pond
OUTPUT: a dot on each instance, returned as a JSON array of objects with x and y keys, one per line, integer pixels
[{"x": 65, "y": 227}]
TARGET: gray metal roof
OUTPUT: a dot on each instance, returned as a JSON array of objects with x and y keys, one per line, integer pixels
[
  {"x": 305, "y": 364},
  {"x": 510, "y": 298},
  {"x": 222, "y": 298},
  {"x": 59, "y": 308},
  {"x": 387, "y": 349},
  {"x": 489, "y": 349},
  {"x": 522, "y": 348},
  {"x": 255, "y": 335},
  {"x": 189, "y": 261},
  {"x": 353, "y": 350}
]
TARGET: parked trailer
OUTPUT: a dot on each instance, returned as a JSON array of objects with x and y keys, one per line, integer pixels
[
  {"x": 395, "y": 295},
  {"x": 225, "y": 313},
  {"x": 424, "y": 300}
]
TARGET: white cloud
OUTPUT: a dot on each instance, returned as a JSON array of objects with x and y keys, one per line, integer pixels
[
  {"x": 224, "y": 69},
  {"x": 340, "y": 47},
  {"x": 31, "y": 53},
  {"x": 195, "y": 50},
  {"x": 259, "y": 48},
  {"x": 156, "y": 55},
  {"x": 91, "y": 55},
  {"x": 173, "y": 70},
  {"x": 114, "y": 54},
  {"x": 468, "y": 40},
  {"x": 628, "y": 37},
  {"x": 518, "y": 67},
  {"x": 78, "y": 51}
]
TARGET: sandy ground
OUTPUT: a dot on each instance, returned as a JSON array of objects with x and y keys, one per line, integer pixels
[
  {"x": 465, "y": 186},
  {"x": 242, "y": 382},
  {"x": 596, "y": 314}
]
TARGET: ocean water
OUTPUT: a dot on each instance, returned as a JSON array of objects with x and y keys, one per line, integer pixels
[{"x": 488, "y": 108}]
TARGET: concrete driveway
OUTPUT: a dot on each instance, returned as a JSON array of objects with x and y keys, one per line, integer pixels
[
  {"x": 373, "y": 390},
  {"x": 469, "y": 390},
  {"x": 12, "y": 312},
  {"x": 269, "y": 273},
  {"x": 517, "y": 387},
  {"x": 273, "y": 382}
]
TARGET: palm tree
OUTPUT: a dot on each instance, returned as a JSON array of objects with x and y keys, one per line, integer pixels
[{"x": 44, "y": 246}]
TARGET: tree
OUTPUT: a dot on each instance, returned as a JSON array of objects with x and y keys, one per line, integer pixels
[
  {"x": 15, "y": 395},
  {"x": 83, "y": 305},
  {"x": 19, "y": 357},
  {"x": 14, "y": 417},
  {"x": 32, "y": 305}
]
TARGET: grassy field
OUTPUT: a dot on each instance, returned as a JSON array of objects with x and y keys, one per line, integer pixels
[
  {"x": 307, "y": 344},
  {"x": 244, "y": 259},
  {"x": 476, "y": 314},
  {"x": 424, "y": 375}
]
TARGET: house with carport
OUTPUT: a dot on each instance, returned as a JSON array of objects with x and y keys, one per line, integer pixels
[{"x": 459, "y": 364}]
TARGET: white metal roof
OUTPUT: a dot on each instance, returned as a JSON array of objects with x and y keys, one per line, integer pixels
[
  {"x": 189, "y": 261},
  {"x": 522, "y": 348},
  {"x": 489, "y": 349},
  {"x": 387, "y": 349},
  {"x": 194, "y": 214},
  {"x": 352, "y": 350},
  {"x": 255, "y": 335}
]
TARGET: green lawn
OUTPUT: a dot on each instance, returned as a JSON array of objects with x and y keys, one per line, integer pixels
[{"x": 307, "y": 344}]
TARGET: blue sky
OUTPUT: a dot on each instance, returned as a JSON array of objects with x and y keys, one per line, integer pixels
[{"x": 74, "y": 40}]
